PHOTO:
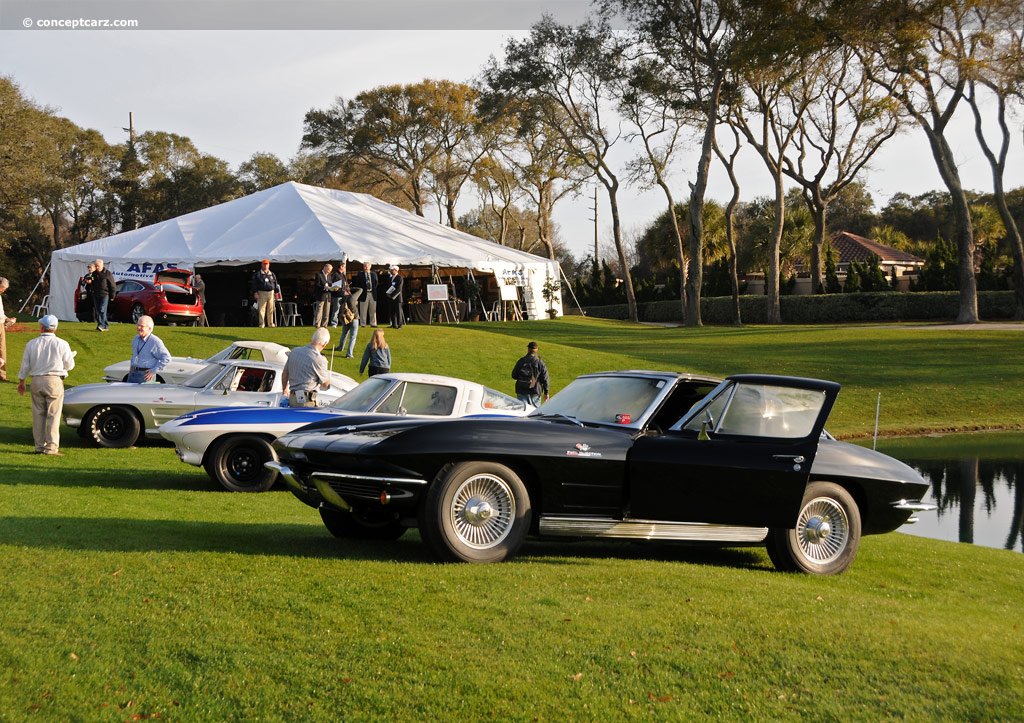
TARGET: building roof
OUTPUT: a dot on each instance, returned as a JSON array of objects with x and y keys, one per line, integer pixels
[{"x": 851, "y": 247}]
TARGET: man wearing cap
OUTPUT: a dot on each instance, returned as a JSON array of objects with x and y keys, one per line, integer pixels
[
  {"x": 393, "y": 290},
  {"x": 531, "y": 375},
  {"x": 5, "y": 321},
  {"x": 149, "y": 354},
  {"x": 264, "y": 288},
  {"x": 47, "y": 360}
]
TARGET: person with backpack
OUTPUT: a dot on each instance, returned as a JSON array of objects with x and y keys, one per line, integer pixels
[{"x": 531, "y": 375}]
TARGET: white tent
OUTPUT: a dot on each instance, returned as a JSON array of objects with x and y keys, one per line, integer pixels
[{"x": 298, "y": 223}]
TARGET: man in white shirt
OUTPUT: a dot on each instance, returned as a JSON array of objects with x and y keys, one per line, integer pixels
[
  {"x": 47, "y": 359},
  {"x": 5, "y": 321}
]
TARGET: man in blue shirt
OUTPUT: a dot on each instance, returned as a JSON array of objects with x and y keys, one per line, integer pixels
[{"x": 149, "y": 355}]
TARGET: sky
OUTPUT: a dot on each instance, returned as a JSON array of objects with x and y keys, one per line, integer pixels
[{"x": 238, "y": 92}]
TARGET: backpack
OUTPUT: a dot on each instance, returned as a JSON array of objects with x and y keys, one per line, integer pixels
[
  {"x": 347, "y": 315},
  {"x": 527, "y": 374}
]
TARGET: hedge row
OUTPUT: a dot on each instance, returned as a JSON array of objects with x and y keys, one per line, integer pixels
[{"x": 825, "y": 308}]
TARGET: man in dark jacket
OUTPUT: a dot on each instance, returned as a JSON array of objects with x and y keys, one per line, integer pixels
[
  {"x": 367, "y": 281},
  {"x": 531, "y": 375},
  {"x": 103, "y": 291},
  {"x": 393, "y": 291},
  {"x": 322, "y": 296},
  {"x": 264, "y": 289}
]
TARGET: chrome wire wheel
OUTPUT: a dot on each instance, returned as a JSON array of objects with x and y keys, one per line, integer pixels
[
  {"x": 483, "y": 511},
  {"x": 823, "y": 530}
]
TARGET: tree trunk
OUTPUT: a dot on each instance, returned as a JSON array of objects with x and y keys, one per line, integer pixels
[
  {"x": 818, "y": 212},
  {"x": 679, "y": 245},
  {"x": 774, "y": 310},
  {"x": 964, "y": 232},
  {"x": 1013, "y": 236},
  {"x": 450, "y": 208},
  {"x": 613, "y": 188},
  {"x": 697, "y": 190}
]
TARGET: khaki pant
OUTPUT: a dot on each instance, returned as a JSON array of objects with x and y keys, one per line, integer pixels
[
  {"x": 302, "y": 399},
  {"x": 266, "y": 308},
  {"x": 47, "y": 403},
  {"x": 322, "y": 313},
  {"x": 3, "y": 352}
]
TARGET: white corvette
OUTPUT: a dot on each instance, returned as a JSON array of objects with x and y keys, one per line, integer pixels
[
  {"x": 233, "y": 444},
  {"x": 115, "y": 415},
  {"x": 181, "y": 368}
]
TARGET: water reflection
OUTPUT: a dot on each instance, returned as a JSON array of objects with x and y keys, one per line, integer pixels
[{"x": 977, "y": 481}]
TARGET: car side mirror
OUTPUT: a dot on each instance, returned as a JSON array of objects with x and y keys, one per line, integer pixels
[{"x": 708, "y": 422}]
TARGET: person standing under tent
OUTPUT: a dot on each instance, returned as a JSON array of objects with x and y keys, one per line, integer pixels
[
  {"x": 368, "y": 282},
  {"x": 393, "y": 291},
  {"x": 103, "y": 292},
  {"x": 264, "y": 289},
  {"x": 322, "y": 296}
]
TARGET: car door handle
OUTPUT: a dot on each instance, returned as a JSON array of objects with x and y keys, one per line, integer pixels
[{"x": 794, "y": 458}]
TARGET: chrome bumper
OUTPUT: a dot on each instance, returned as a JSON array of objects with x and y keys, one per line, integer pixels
[
  {"x": 912, "y": 506},
  {"x": 322, "y": 495}
]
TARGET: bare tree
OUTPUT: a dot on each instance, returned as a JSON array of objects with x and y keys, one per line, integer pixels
[
  {"x": 729, "y": 163},
  {"x": 697, "y": 39},
  {"x": 570, "y": 69},
  {"x": 649, "y": 99},
  {"x": 845, "y": 122},
  {"x": 1001, "y": 73},
  {"x": 922, "y": 54}
]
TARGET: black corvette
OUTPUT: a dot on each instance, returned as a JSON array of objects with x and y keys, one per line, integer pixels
[{"x": 630, "y": 454}]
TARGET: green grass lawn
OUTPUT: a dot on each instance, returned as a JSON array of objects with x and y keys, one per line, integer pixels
[{"x": 133, "y": 588}]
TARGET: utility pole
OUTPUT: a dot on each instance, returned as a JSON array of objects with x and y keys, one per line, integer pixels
[
  {"x": 130, "y": 130},
  {"x": 595, "y": 225}
]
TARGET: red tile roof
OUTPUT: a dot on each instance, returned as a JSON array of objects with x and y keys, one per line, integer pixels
[{"x": 851, "y": 247}]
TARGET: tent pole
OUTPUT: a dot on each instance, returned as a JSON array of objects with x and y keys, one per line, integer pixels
[
  {"x": 31, "y": 293},
  {"x": 571, "y": 291}
]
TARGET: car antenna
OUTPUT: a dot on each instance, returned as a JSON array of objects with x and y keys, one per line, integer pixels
[{"x": 878, "y": 408}]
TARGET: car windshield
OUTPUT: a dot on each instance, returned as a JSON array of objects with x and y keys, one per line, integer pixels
[
  {"x": 223, "y": 354},
  {"x": 202, "y": 378},
  {"x": 360, "y": 398},
  {"x": 606, "y": 400},
  {"x": 759, "y": 410},
  {"x": 494, "y": 399}
]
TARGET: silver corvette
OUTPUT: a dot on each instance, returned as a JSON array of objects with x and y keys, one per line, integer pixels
[
  {"x": 233, "y": 444},
  {"x": 181, "y": 368},
  {"x": 116, "y": 415}
]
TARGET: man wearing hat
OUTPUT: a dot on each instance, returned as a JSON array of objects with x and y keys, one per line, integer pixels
[
  {"x": 264, "y": 287},
  {"x": 47, "y": 360},
  {"x": 393, "y": 290}
]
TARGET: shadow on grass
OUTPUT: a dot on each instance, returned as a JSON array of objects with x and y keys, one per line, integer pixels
[
  {"x": 115, "y": 534},
  {"x": 106, "y": 478}
]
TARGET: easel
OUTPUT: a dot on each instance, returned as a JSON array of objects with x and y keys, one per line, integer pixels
[
  {"x": 447, "y": 307},
  {"x": 510, "y": 308}
]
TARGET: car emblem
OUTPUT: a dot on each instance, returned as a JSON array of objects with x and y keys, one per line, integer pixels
[
  {"x": 582, "y": 450},
  {"x": 623, "y": 418}
]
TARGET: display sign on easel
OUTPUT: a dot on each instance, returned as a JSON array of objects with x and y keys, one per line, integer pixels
[
  {"x": 437, "y": 292},
  {"x": 508, "y": 292}
]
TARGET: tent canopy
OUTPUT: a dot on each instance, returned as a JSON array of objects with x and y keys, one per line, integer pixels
[{"x": 292, "y": 223}]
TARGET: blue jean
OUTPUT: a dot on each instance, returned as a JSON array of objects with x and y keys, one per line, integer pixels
[
  {"x": 335, "y": 308},
  {"x": 533, "y": 399},
  {"x": 100, "y": 303},
  {"x": 349, "y": 330}
]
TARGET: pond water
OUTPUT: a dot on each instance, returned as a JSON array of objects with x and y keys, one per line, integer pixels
[{"x": 977, "y": 482}]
